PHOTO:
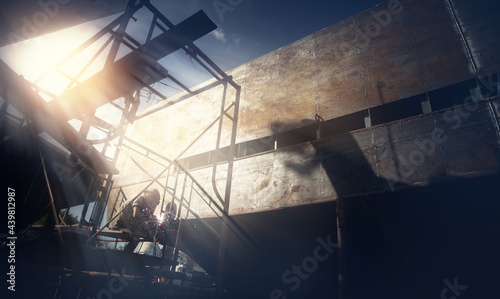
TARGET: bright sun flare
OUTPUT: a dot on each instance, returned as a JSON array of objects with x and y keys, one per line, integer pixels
[{"x": 35, "y": 57}]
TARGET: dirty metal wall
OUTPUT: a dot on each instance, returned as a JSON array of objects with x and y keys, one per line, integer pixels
[
  {"x": 390, "y": 52},
  {"x": 481, "y": 31},
  {"x": 414, "y": 152},
  {"x": 457, "y": 142},
  {"x": 358, "y": 63}
]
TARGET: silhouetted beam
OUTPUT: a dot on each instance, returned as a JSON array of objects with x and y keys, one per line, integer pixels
[
  {"x": 132, "y": 72},
  {"x": 18, "y": 93}
]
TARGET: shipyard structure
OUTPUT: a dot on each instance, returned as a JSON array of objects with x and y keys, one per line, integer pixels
[{"x": 360, "y": 161}]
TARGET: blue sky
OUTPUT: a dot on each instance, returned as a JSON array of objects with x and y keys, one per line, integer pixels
[{"x": 252, "y": 28}]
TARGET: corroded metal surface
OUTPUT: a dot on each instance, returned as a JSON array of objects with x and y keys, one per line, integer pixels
[
  {"x": 481, "y": 31},
  {"x": 395, "y": 50},
  {"x": 419, "y": 151},
  {"x": 392, "y": 51},
  {"x": 457, "y": 142}
]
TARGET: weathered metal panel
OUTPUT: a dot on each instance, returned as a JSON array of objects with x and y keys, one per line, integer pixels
[
  {"x": 256, "y": 187},
  {"x": 438, "y": 44},
  {"x": 259, "y": 97},
  {"x": 454, "y": 143},
  {"x": 457, "y": 142},
  {"x": 381, "y": 55},
  {"x": 292, "y": 111},
  {"x": 295, "y": 63},
  {"x": 342, "y": 93},
  {"x": 330, "y": 56},
  {"x": 334, "y": 72},
  {"x": 296, "y": 83},
  {"x": 481, "y": 31},
  {"x": 392, "y": 77}
]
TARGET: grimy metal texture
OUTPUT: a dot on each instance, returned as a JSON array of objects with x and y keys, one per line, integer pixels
[
  {"x": 382, "y": 55},
  {"x": 395, "y": 50},
  {"x": 419, "y": 151},
  {"x": 457, "y": 142},
  {"x": 481, "y": 32},
  {"x": 345, "y": 68},
  {"x": 25, "y": 19}
]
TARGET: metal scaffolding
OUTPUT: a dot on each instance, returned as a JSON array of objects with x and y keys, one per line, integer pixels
[{"x": 129, "y": 66}]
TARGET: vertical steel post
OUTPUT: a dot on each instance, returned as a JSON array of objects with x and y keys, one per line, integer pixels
[
  {"x": 86, "y": 204},
  {"x": 341, "y": 251},
  {"x": 227, "y": 194},
  {"x": 101, "y": 199},
  {"x": 129, "y": 11}
]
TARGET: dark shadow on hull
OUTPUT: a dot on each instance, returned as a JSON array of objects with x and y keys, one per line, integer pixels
[{"x": 411, "y": 242}]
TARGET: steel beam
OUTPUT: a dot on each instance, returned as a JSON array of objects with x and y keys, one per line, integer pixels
[
  {"x": 18, "y": 93},
  {"x": 134, "y": 71}
]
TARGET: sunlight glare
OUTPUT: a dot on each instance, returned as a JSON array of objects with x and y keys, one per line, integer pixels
[{"x": 35, "y": 57}]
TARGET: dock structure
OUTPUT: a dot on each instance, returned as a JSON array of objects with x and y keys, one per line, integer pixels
[{"x": 361, "y": 161}]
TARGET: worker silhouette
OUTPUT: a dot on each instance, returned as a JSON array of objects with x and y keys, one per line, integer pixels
[
  {"x": 171, "y": 211},
  {"x": 135, "y": 218}
]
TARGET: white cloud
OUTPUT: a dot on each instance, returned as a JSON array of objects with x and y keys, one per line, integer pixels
[{"x": 219, "y": 35}]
